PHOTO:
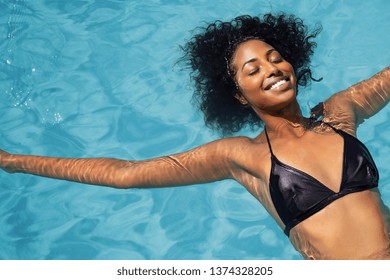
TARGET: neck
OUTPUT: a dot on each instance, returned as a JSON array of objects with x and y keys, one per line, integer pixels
[{"x": 289, "y": 120}]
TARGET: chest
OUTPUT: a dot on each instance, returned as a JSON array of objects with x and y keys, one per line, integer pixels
[{"x": 319, "y": 156}]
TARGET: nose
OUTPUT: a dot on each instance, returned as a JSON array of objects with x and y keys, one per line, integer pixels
[{"x": 271, "y": 70}]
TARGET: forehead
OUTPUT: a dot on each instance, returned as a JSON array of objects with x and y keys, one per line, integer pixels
[{"x": 249, "y": 49}]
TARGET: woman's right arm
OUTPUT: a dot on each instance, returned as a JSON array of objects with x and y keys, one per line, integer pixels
[{"x": 207, "y": 163}]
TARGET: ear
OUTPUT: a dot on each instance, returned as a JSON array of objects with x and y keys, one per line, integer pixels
[{"x": 241, "y": 98}]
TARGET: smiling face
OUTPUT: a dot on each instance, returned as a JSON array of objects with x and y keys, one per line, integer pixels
[{"x": 266, "y": 81}]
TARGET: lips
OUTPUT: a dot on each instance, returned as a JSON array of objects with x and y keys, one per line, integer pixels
[{"x": 272, "y": 83}]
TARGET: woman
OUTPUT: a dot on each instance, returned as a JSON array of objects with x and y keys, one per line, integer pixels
[{"x": 312, "y": 175}]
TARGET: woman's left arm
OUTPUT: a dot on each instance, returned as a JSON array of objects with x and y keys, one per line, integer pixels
[{"x": 369, "y": 96}]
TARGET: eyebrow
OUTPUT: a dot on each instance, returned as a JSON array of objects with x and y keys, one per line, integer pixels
[{"x": 267, "y": 54}]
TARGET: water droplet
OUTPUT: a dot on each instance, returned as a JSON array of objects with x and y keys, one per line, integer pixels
[{"x": 57, "y": 118}]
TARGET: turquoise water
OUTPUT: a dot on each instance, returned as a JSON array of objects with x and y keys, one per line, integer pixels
[{"x": 98, "y": 79}]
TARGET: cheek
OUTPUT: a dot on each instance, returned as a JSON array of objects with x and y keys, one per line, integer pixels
[
  {"x": 291, "y": 70},
  {"x": 248, "y": 83}
]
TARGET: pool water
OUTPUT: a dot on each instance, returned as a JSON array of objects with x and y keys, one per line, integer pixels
[{"x": 100, "y": 79}]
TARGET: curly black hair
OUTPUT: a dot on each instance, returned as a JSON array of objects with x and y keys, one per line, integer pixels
[{"x": 208, "y": 54}]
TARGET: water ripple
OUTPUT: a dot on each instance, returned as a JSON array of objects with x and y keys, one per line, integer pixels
[{"x": 99, "y": 79}]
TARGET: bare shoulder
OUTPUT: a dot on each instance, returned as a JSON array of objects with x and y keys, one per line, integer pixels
[
  {"x": 249, "y": 156},
  {"x": 339, "y": 112},
  {"x": 239, "y": 140},
  {"x": 231, "y": 148},
  {"x": 239, "y": 143},
  {"x": 227, "y": 143}
]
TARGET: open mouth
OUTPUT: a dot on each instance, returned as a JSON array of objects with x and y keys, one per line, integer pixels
[{"x": 277, "y": 83}]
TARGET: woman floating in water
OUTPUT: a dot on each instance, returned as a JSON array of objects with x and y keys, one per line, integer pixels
[{"x": 313, "y": 176}]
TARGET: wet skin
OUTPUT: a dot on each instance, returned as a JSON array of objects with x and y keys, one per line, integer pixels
[{"x": 352, "y": 227}]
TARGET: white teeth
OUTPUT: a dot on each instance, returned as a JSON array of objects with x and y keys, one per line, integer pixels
[{"x": 278, "y": 84}]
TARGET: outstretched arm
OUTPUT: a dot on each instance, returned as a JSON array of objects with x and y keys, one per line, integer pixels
[
  {"x": 363, "y": 99},
  {"x": 207, "y": 163},
  {"x": 371, "y": 95}
]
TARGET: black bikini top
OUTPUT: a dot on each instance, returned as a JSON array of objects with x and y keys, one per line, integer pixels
[{"x": 296, "y": 195}]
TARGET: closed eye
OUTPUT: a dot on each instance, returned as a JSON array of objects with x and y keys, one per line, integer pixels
[
  {"x": 275, "y": 57},
  {"x": 277, "y": 60},
  {"x": 254, "y": 72}
]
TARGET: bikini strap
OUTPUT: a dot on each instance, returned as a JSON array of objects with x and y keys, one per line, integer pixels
[
  {"x": 269, "y": 143},
  {"x": 332, "y": 127}
]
